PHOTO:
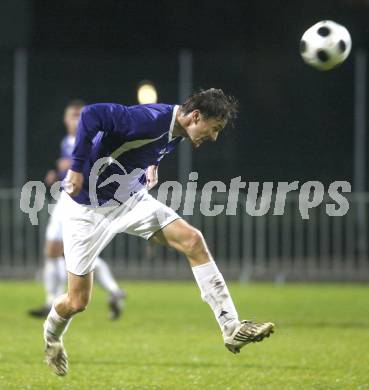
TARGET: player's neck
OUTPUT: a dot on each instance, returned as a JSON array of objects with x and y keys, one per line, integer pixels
[
  {"x": 71, "y": 132},
  {"x": 179, "y": 129}
]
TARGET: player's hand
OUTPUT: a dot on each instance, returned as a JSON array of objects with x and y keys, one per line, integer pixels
[
  {"x": 50, "y": 178},
  {"x": 151, "y": 176},
  {"x": 73, "y": 182}
]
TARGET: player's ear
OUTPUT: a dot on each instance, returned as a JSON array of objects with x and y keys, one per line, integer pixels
[{"x": 196, "y": 116}]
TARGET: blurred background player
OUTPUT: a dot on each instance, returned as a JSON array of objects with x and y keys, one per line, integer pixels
[{"x": 54, "y": 272}]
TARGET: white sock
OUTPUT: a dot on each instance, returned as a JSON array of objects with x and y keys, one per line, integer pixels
[
  {"x": 104, "y": 276},
  {"x": 215, "y": 292},
  {"x": 51, "y": 279},
  {"x": 62, "y": 276},
  {"x": 55, "y": 325}
]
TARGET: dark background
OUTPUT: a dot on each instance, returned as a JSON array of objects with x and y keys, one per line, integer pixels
[{"x": 295, "y": 123}]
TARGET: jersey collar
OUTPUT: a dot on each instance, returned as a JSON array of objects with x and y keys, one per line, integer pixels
[{"x": 170, "y": 134}]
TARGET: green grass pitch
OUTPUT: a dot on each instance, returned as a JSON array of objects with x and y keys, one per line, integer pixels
[{"x": 168, "y": 339}]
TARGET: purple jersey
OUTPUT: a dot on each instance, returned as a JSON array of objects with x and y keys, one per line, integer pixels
[
  {"x": 127, "y": 139},
  {"x": 66, "y": 150}
]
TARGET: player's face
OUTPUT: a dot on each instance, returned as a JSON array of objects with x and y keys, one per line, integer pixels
[
  {"x": 71, "y": 118},
  {"x": 200, "y": 129}
]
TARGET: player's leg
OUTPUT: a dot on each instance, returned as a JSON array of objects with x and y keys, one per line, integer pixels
[
  {"x": 74, "y": 301},
  {"x": 86, "y": 232},
  {"x": 188, "y": 240},
  {"x": 105, "y": 278}
]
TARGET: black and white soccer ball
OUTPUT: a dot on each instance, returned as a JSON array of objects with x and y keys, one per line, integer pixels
[{"x": 325, "y": 45}]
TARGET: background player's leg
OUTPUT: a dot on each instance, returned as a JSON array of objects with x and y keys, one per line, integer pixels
[
  {"x": 62, "y": 276},
  {"x": 104, "y": 277},
  {"x": 106, "y": 280},
  {"x": 54, "y": 271},
  {"x": 188, "y": 240},
  {"x": 54, "y": 275}
]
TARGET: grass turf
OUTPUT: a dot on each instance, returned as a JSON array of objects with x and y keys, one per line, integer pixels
[{"x": 168, "y": 339}]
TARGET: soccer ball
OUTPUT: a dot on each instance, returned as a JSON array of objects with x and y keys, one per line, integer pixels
[{"x": 325, "y": 45}]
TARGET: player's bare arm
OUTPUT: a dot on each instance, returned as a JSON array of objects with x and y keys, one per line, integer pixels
[{"x": 73, "y": 182}]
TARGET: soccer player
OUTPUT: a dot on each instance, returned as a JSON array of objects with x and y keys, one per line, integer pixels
[
  {"x": 54, "y": 272},
  {"x": 118, "y": 149}
]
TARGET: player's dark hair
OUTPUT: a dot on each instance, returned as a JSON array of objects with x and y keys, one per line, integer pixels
[
  {"x": 76, "y": 103},
  {"x": 212, "y": 103}
]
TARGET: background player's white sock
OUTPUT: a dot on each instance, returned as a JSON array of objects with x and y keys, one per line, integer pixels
[
  {"x": 215, "y": 292},
  {"x": 55, "y": 325},
  {"x": 51, "y": 279},
  {"x": 62, "y": 276},
  {"x": 104, "y": 276}
]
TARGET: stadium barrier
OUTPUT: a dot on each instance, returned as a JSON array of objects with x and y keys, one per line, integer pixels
[{"x": 267, "y": 247}]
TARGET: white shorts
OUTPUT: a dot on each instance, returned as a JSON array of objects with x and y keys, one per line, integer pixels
[
  {"x": 87, "y": 230},
  {"x": 54, "y": 229}
]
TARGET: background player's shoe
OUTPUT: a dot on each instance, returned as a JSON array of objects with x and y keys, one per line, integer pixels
[
  {"x": 116, "y": 304},
  {"x": 41, "y": 312},
  {"x": 56, "y": 357},
  {"x": 247, "y": 332}
]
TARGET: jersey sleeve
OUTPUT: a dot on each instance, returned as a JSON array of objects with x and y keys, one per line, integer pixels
[
  {"x": 105, "y": 117},
  {"x": 64, "y": 149}
]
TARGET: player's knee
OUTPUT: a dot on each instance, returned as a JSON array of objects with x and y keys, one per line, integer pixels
[
  {"x": 79, "y": 304},
  {"x": 194, "y": 243},
  {"x": 78, "y": 307}
]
